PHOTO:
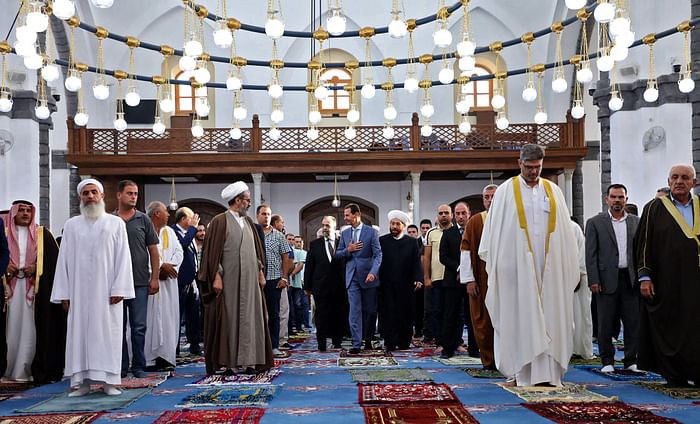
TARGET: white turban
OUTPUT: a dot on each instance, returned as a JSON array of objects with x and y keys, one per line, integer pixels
[
  {"x": 400, "y": 215},
  {"x": 87, "y": 181},
  {"x": 233, "y": 190}
]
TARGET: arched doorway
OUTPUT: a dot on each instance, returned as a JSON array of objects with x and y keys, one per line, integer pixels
[
  {"x": 475, "y": 202},
  {"x": 205, "y": 208},
  {"x": 312, "y": 214}
]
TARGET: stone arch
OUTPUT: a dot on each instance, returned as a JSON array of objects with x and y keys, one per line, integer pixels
[{"x": 312, "y": 213}]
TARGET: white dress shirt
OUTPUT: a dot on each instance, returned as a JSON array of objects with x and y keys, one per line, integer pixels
[{"x": 620, "y": 228}]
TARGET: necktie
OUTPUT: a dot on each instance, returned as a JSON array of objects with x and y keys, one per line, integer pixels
[
  {"x": 355, "y": 236},
  {"x": 461, "y": 231},
  {"x": 330, "y": 247}
]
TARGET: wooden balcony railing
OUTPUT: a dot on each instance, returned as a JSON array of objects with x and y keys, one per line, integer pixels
[{"x": 105, "y": 141}]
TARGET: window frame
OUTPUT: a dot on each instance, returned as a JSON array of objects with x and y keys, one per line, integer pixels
[
  {"x": 336, "y": 112},
  {"x": 475, "y": 93},
  {"x": 177, "y": 96}
]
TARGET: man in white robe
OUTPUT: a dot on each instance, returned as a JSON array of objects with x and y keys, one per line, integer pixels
[
  {"x": 93, "y": 276},
  {"x": 163, "y": 316},
  {"x": 528, "y": 246},
  {"x": 583, "y": 322}
]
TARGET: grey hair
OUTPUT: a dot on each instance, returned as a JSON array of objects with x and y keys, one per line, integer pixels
[
  {"x": 531, "y": 152},
  {"x": 489, "y": 187},
  {"x": 153, "y": 207},
  {"x": 332, "y": 219}
]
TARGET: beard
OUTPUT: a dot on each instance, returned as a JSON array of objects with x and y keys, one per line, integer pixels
[{"x": 92, "y": 210}]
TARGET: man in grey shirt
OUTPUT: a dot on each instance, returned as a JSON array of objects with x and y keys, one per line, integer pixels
[{"x": 143, "y": 244}]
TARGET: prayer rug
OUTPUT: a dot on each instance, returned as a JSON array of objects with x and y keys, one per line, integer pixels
[
  {"x": 264, "y": 377},
  {"x": 131, "y": 382},
  {"x": 591, "y": 361},
  {"x": 229, "y": 416},
  {"x": 296, "y": 340},
  {"x": 484, "y": 373},
  {"x": 238, "y": 396},
  {"x": 5, "y": 397},
  {"x": 75, "y": 418},
  {"x": 189, "y": 359},
  {"x": 424, "y": 414},
  {"x": 371, "y": 361},
  {"x": 15, "y": 386},
  {"x": 458, "y": 360},
  {"x": 94, "y": 401},
  {"x": 405, "y": 393},
  {"x": 674, "y": 392},
  {"x": 403, "y": 374},
  {"x": 569, "y": 392},
  {"x": 622, "y": 374},
  {"x": 374, "y": 353},
  {"x": 595, "y": 412}
]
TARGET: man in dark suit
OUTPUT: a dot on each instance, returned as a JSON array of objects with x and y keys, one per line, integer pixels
[
  {"x": 359, "y": 246},
  {"x": 612, "y": 276},
  {"x": 185, "y": 228},
  {"x": 323, "y": 277}
]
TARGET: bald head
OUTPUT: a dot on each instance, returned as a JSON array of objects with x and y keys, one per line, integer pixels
[
  {"x": 462, "y": 213},
  {"x": 681, "y": 180},
  {"x": 444, "y": 215}
]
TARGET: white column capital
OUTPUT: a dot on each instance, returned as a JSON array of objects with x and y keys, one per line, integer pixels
[{"x": 257, "y": 189}]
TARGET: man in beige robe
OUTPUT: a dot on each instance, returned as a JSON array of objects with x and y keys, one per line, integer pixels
[{"x": 231, "y": 277}]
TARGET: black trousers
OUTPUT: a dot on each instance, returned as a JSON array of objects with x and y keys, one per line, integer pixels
[
  {"x": 451, "y": 324},
  {"x": 623, "y": 302}
]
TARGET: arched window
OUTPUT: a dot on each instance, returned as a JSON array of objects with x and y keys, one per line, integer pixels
[
  {"x": 338, "y": 102},
  {"x": 478, "y": 93},
  {"x": 185, "y": 97}
]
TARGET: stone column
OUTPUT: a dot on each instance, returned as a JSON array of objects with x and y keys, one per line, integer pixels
[
  {"x": 257, "y": 190},
  {"x": 415, "y": 194},
  {"x": 569, "y": 189}
]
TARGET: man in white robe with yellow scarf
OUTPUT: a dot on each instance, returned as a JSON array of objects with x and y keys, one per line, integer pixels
[{"x": 531, "y": 259}]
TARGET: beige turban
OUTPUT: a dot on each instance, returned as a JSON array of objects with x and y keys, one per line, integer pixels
[{"x": 400, "y": 215}]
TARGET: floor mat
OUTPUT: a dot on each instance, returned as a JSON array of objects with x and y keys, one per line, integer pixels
[
  {"x": 238, "y": 396},
  {"x": 212, "y": 416},
  {"x": 386, "y": 375},
  {"x": 93, "y": 401},
  {"x": 424, "y": 414},
  {"x": 458, "y": 360},
  {"x": 622, "y": 374},
  {"x": 74, "y": 418},
  {"x": 569, "y": 392},
  {"x": 264, "y": 377},
  {"x": 595, "y": 412},
  {"x": 371, "y": 361},
  {"x": 405, "y": 393},
  {"x": 674, "y": 392},
  {"x": 484, "y": 373}
]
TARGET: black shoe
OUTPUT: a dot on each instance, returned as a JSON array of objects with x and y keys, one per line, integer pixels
[
  {"x": 368, "y": 345},
  {"x": 322, "y": 345},
  {"x": 446, "y": 355},
  {"x": 124, "y": 374},
  {"x": 354, "y": 351},
  {"x": 474, "y": 354}
]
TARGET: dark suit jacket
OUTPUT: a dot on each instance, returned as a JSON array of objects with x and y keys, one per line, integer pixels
[
  {"x": 188, "y": 268},
  {"x": 321, "y": 276},
  {"x": 602, "y": 255},
  {"x": 4, "y": 249},
  {"x": 449, "y": 255}
]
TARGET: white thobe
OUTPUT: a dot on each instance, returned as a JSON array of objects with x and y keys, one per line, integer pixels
[
  {"x": 21, "y": 332},
  {"x": 93, "y": 265},
  {"x": 583, "y": 322},
  {"x": 163, "y": 315},
  {"x": 530, "y": 296}
]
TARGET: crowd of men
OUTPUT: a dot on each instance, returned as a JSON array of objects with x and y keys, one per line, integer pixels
[{"x": 521, "y": 276}]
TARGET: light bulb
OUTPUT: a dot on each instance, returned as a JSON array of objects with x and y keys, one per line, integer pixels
[
  {"x": 529, "y": 93},
  {"x": 240, "y": 113},
  {"x": 615, "y": 102},
  {"x": 353, "y": 115},
  {"x": 498, "y": 101},
  {"x": 102, "y": 4},
  {"x": 388, "y": 132},
  {"x": 5, "y": 102},
  {"x": 193, "y": 48},
  {"x": 410, "y": 84},
  {"x": 584, "y": 75},
  {"x": 73, "y": 82},
  {"x": 120, "y": 124},
  {"x": 63, "y": 9},
  {"x": 446, "y": 75},
  {"x": 187, "y": 63},
  {"x": 575, "y": 4},
  {"x": 312, "y": 133},
  {"x": 133, "y": 98},
  {"x": 33, "y": 62},
  {"x": 275, "y": 90},
  {"x": 686, "y": 85},
  {"x": 197, "y": 130},
  {"x": 233, "y": 83},
  {"x": 350, "y": 133},
  {"x": 619, "y": 25},
  {"x": 397, "y": 28},
  {"x": 368, "y": 90},
  {"x": 202, "y": 107},
  {"x": 277, "y": 116},
  {"x": 81, "y": 119},
  {"x": 605, "y": 63},
  {"x": 235, "y": 133},
  {"x": 462, "y": 106},
  {"x": 49, "y": 72},
  {"x": 25, "y": 35},
  {"x": 427, "y": 110},
  {"x": 466, "y": 48},
  {"x": 201, "y": 74},
  {"x": 466, "y": 63},
  {"x": 314, "y": 117},
  {"x": 502, "y": 123},
  {"x": 625, "y": 38},
  {"x": 42, "y": 111},
  {"x": 274, "y": 28},
  {"x": 335, "y": 23},
  {"x": 390, "y": 112},
  {"x": 36, "y": 20},
  {"x": 336, "y": 202},
  {"x": 577, "y": 111},
  {"x": 426, "y": 130},
  {"x": 321, "y": 92},
  {"x": 223, "y": 37},
  {"x": 619, "y": 52},
  {"x": 100, "y": 91},
  {"x": 651, "y": 94},
  {"x": 540, "y": 117},
  {"x": 158, "y": 126},
  {"x": 442, "y": 38},
  {"x": 559, "y": 85},
  {"x": 274, "y": 133},
  {"x": 465, "y": 127},
  {"x": 604, "y": 12},
  {"x": 166, "y": 104},
  {"x": 24, "y": 49}
]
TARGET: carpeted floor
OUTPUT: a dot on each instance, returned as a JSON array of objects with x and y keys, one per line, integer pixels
[{"x": 314, "y": 388}]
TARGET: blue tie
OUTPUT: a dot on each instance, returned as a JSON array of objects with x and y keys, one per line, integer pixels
[{"x": 355, "y": 235}]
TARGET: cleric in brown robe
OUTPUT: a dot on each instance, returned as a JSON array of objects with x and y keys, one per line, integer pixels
[
  {"x": 667, "y": 248},
  {"x": 473, "y": 274},
  {"x": 49, "y": 318},
  {"x": 236, "y": 335}
]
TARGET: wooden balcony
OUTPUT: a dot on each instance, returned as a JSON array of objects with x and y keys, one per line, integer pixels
[{"x": 101, "y": 151}]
